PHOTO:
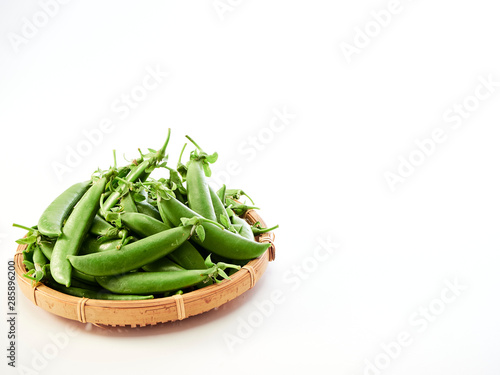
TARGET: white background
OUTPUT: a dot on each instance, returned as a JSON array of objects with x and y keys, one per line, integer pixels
[{"x": 321, "y": 175}]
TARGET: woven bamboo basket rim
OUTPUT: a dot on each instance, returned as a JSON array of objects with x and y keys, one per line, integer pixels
[{"x": 140, "y": 313}]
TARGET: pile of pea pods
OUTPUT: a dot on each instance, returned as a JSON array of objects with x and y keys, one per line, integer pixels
[{"x": 123, "y": 235}]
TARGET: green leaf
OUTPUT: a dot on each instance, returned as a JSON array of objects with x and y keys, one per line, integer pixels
[
  {"x": 223, "y": 274},
  {"x": 182, "y": 169},
  {"x": 225, "y": 221},
  {"x": 207, "y": 170},
  {"x": 27, "y": 254},
  {"x": 29, "y": 265},
  {"x": 138, "y": 197},
  {"x": 118, "y": 221},
  {"x": 113, "y": 232},
  {"x": 221, "y": 193},
  {"x": 212, "y": 158},
  {"x": 39, "y": 275},
  {"x": 27, "y": 240},
  {"x": 163, "y": 215},
  {"x": 174, "y": 176},
  {"x": 190, "y": 220},
  {"x": 236, "y": 228},
  {"x": 114, "y": 218},
  {"x": 200, "y": 232},
  {"x": 165, "y": 193},
  {"x": 111, "y": 216}
]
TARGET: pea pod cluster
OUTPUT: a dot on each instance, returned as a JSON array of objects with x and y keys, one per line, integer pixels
[{"x": 125, "y": 235}]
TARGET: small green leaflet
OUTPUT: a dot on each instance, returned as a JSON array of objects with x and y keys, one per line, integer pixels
[
  {"x": 224, "y": 221},
  {"x": 200, "y": 232}
]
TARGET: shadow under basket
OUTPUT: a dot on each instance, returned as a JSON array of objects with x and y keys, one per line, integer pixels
[{"x": 143, "y": 313}]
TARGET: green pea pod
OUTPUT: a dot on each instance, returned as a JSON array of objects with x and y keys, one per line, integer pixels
[
  {"x": 162, "y": 282},
  {"x": 163, "y": 214},
  {"x": 173, "y": 209},
  {"x": 229, "y": 244},
  {"x": 88, "y": 293},
  {"x": 240, "y": 262},
  {"x": 246, "y": 229},
  {"x": 128, "y": 203},
  {"x": 221, "y": 193},
  {"x": 47, "y": 248},
  {"x": 148, "y": 209},
  {"x": 163, "y": 265},
  {"x": 142, "y": 224},
  {"x": 88, "y": 279},
  {"x": 198, "y": 192},
  {"x": 154, "y": 282},
  {"x": 219, "y": 209},
  {"x": 217, "y": 240},
  {"x": 78, "y": 283},
  {"x": 78, "y": 279},
  {"x": 39, "y": 258},
  {"x": 51, "y": 222},
  {"x": 39, "y": 261},
  {"x": 92, "y": 245},
  {"x": 131, "y": 256},
  {"x": 74, "y": 232},
  {"x": 186, "y": 255}
]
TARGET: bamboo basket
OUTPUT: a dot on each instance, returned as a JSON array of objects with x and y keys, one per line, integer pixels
[{"x": 143, "y": 313}]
